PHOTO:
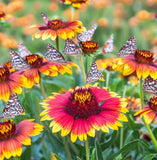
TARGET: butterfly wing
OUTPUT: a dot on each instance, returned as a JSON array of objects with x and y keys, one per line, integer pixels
[
  {"x": 54, "y": 55},
  {"x": 23, "y": 51},
  {"x": 108, "y": 46},
  {"x": 87, "y": 35},
  {"x": 13, "y": 108},
  {"x": 71, "y": 48},
  {"x": 18, "y": 62},
  {"x": 94, "y": 74},
  {"x": 150, "y": 85},
  {"x": 45, "y": 18},
  {"x": 128, "y": 48}
]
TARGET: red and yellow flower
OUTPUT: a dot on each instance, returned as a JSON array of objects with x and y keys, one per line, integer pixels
[
  {"x": 149, "y": 113},
  {"x": 2, "y": 15},
  {"x": 10, "y": 81},
  {"x": 74, "y": 3},
  {"x": 81, "y": 111},
  {"x": 12, "y": 137},
  {"x": 141, "y": 63},
  {"x": 89, "y": 46},
  {"x": 57, "y": 27}
]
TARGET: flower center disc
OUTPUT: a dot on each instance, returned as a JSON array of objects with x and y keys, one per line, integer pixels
[
  {"x": 82, "y": 103},
  {"x": 142, "y": 56},
  {"x": 4, "y": 73},
  {"x": 78, "y": 1},
  {"x": 2, "y": 15},
  {"x": 7, "y": 130},
  {"x": 55, "y": 24},
  {"x": 34, "y": 60},
  {"x": 89, "y": 46},
  {"x": 153, "y": 103}
]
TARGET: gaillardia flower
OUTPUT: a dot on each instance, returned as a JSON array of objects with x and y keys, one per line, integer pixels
[
  {"x": 141, "y": 63},
  {"x": 149, "y": 112},
  {"x": 81, "y": 111},
  {"x": 57, "y": 27},
  {"x": 74, "y": 3},
  {"x": 10, "y": 81},
  {"x": 12, "y": 137},
  {"x": 2, "y": 15},
  {"x": 89, "y": 46}
]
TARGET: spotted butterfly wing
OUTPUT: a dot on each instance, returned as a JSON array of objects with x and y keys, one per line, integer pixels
[
  {"x": 17, "y": 62},
  {"x": 108, "y": 46},
  {"x": 71, "y": 48},
  {"x": 45, "y": 18},
  {"x": 128, "y": 48},
  {"x": 150, "y": 85},
  {"x": 87, "y": 35},
  {"x": 13, "y": 108},
  {"x": 23, "y": 51},
  {"x": 54, "y": 55},
  {"x": 94, "y": 74}
]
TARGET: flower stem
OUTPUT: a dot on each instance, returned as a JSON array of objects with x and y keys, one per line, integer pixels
[
  {"x": 42, "y": 89},
  {"x": 83, "y": 69},
  {"x": 141, "y": 93},
  {"x": 151, "y": 134},
  {"x": 57, "y": 43},
  {"x": 67, "y": 149},
  {"x": 87, "y": 149},
  {"x": 107, "y": 78},
  {"x": 72, "y": 12},
  {"x": 88, "y": 63},
  {"x": 17, "y": 158}
]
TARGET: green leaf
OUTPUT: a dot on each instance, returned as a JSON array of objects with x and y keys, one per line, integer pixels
[
  {"x": 149, "y": 156},
  {"x": 98, "y": 151},
  {"x": 93, "y": 154},
  {"x": 77, "y": 158}
]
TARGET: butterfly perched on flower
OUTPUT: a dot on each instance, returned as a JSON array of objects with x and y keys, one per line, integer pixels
[
  {"x": 150, "y": 85},
  {"x": 87, "y": 35},
  {"x": 22, "y": 50},
  {"x": 54, "y": 55},
  {"x": 17, "y": 62},
  {"x": 108, "y": 46},
  {"x": 45, "y": 18},
  {"x": 13, "y": 108},
  {"x": 94, "y": 74},
  {"x": 71, "y": 48},
  {"x": 128, "y": 48}
]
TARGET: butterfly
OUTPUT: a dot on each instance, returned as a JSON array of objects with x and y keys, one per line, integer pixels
[
  {"x": 45, "y": 18},
  {"x": 108, "y": 46},
  {"x": 87, "y": 35},
  {"x": 94, "y": 74},
  {"x": 54, "y": 55},
  {"x": 150, "y": 85},
  {"x": 17, "y": 62},
  {"x": 22, "y": 50},
  {"x": 71, "y": 48},
  {"x": 128, "y": 48},
  {"x": 13, "y": 108}
]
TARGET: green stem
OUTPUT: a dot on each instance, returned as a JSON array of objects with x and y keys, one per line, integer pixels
[
  {"x": 151, "y": 134},
  {"x": 17, "y": 158},
  {"x": 141, "y": 93},
  {"x": 107, "y": 78},
  {"x": 87, "y": 149},
  {"x": 88, "y": 63},
  {"x": 83, "y": 69},
  {"x": 73, "y": 12},
  {"x": 57, "y": 43},
  {"x": 67, "y": 149},
  {"x": 42, "y": 88}
]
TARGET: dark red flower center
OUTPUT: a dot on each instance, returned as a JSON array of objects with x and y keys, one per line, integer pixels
[
  {"x": 4, "y": 73},
  {"x": 7, "y": 130},
  {"x": 78, "y": 1},
  {"x": 55, "y": 24},
  {"x": 153, "y": 103},
  {"x": 9, "y": 66},
  {"x": 34, "y": 60},
  {"x": 89, "y": 46},
  {"x": 145, "y": 57},
  {"x": 82, "y": 103},
  {"x": 2, "y": 14}
]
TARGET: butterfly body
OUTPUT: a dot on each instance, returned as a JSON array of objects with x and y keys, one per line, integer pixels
[{"x": 13, "y": 108}]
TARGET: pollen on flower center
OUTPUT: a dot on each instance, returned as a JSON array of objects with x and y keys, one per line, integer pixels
[
  {"x": 55, "y": 24},
  {"x": 4, "y": 73},
  {"x": 82, "y": 103},
  {"x": 34, "y": 60},
  {"x": 153, "y": 103},
  {"x": 7, "y": 130},
  {"x": 142, "y": 56},
  {"x": 89, "y": 46}
]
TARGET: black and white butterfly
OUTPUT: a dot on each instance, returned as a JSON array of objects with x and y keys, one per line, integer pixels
[
  {"x": 13, "y": 108},
  {"x": 94, "y": 74}
]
